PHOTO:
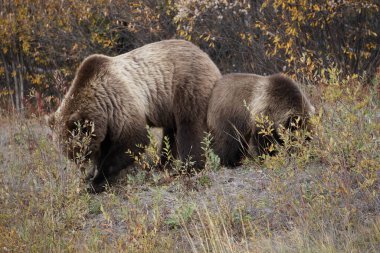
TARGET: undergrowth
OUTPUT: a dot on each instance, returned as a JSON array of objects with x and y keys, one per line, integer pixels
[{"x": 322, "y": 198}]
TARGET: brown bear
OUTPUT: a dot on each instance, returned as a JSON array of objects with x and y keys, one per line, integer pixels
[
  {"x": 236, "y": 101},
  {"x": 164, "y": 84}
]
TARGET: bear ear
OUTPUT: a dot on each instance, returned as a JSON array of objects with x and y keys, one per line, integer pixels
[{"x": 50, "y": 120}]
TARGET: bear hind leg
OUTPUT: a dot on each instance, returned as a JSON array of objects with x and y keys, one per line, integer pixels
[{"x": 189, "y": 138}]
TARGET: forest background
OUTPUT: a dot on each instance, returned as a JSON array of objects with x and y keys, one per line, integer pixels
[{"x": 43, "y": 42}]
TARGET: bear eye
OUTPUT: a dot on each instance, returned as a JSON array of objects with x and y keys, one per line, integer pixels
[
  {"x": 74, "y": 120},
  {"x": 72, "y": 125}
]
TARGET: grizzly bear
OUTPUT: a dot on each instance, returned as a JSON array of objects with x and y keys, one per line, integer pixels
[
  {"x": 164, "y": 84},
  {"x": 236, "y": 101}
]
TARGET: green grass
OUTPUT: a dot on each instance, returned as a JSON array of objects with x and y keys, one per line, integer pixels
[{"x": 324, "y": 199}]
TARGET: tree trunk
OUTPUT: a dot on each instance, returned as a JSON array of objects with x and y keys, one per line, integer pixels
[
  {"x": 21, "y": 81},
  {"x": 8, "y": 80},
  {"x": 15, "y": 82}
]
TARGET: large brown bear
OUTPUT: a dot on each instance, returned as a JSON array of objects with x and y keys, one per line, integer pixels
[
  {"x": 236, "y": 101},
  {"x": 165, "y": 84}
]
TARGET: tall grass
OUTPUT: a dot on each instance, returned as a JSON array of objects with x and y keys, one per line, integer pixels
[{"x": 324, "y": 198}]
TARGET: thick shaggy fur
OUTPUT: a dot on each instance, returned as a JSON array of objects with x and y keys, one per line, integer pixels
[
  {"x": 165, "y": 84},
  {"x": 236, "y": 101}
]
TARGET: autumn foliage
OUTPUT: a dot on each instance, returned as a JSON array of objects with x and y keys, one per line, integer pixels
[{"x": 42, "y": 42}]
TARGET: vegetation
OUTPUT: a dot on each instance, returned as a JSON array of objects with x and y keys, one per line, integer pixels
[
  {"x": 324, "y": 197},
  {"x": 43, "y": 42}
]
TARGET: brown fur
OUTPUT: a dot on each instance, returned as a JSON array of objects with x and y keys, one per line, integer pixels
[
  {"x": 164, "y": 84},
  {"x": 236, "y": 101}
]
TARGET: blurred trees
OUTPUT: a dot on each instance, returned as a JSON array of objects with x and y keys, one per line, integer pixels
[
  {"x": 43, "y": 41},
  {"x": 302, "y": 37},
  {"x": 313, "y": 35}
]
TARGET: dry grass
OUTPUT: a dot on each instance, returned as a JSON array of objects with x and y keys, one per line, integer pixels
[{"x": 324, "y": 199}]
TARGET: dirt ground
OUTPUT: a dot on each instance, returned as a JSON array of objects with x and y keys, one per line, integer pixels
[
  {"x": 146, "y": 195},
  {"x": 315, "y": 204}
]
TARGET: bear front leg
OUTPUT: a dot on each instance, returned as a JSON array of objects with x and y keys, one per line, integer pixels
[
  {"x": 229, "y": 149},
  {"x": 118, "y": 156},
  {"x": 94, "y": 158},
  {"x": 164, "y": 159},
  {"x": 264, "y": 144},
  {"x": 109, "y": 167}
]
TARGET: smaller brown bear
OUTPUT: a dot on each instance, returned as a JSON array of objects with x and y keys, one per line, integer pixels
[{"x": 236, "y": 101}]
